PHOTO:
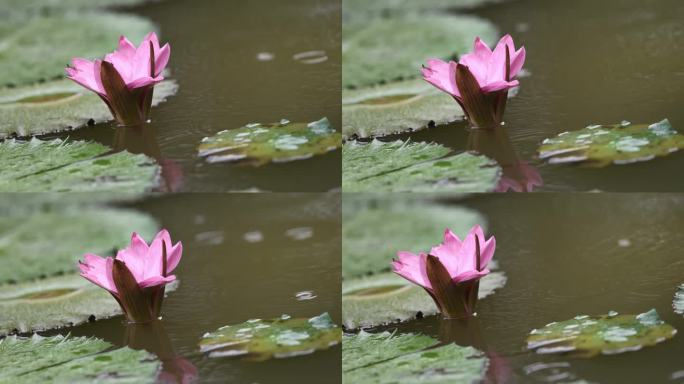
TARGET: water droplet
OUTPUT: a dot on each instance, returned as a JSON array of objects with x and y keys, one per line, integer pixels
[
  {"x": 311, "y": 57},
  {"x": 299, "y": 233},
  {"x": 253, "y": 236},
  {"x": 305, "y": 295}
]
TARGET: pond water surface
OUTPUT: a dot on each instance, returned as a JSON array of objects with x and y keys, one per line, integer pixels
[
  {"x": 591, "y": 62},
  {"x": 246, "y": 257},
  {"x": 240, "y": 62}
]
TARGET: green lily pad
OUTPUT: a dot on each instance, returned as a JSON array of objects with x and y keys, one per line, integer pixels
[
  {"x": 369, "y": 224},
  {"x": 259, "y": 340},
  {"x": 384, "y": 50},
  {"x": 386, "y": 358},
  {"x": 355, "y": 12},
  {"x": 60, "y": 359},
  {"x": 18, "y": 8},
  {"x": 387, "y": 298},
  {"x": 55, "y": 302},
  {"x": 58, "y": 106},
  {"x": 73, "y": 166},
  {"x": 602, "y": 145},
  {"x": 678, "y": 303},
  {"x": 394, "y": 108},
  {"x": 278, "y": 142},
  {"x": 29, "y": 52},
  {"x": 414, "y": 167},
  {"x": 586, "y": 336},
  {"x": 45, "y": 243}
]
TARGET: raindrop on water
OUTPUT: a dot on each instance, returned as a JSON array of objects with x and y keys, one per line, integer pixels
[
  {"x": 305, "y": 295},
  {"x": 265, "y": 56},
  {"x": 311, "y": 57},
  {"x": 299, "y": 233},
  {"x": 624, "y": 243},
  {"x": 253, "y": 236}
]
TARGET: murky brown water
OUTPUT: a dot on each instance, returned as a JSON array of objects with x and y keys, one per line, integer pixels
[
  {"x": 215, "y": 45},
  {"x": 591, "y": 62},
  {"x": 227, "y": 279},
  {"x": 562, "y": 258}
]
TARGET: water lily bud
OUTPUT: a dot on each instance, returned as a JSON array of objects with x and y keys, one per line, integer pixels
[
  {"x": 125, "y": 79},
  {"x": 136, "y": 277},
  {"x": 451, "y": 272},
  {"x": 480, "y": 80}
]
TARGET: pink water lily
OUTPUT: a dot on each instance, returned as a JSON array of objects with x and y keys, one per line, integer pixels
[
  {"x": 480, "y": 80},
  {"x": 137, "y": 275},
  {"x": 450, "y": 273},
  {"x": 125, "y": 79}
]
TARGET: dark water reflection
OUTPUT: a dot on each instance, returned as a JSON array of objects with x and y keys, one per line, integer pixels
[
  {"x": 245, "y": 256},
  {"x": 566, "y": 255},
  {"x": 218, "y": 51},
  {"x": 591, "y": 62}
]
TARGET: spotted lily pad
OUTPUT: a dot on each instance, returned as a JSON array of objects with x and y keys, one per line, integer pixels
[
  {"x": 390, "y": 49},
  {"x": 259, "y": 340},
  {"x": 586, "y": 336},
  {"x": 29, "y": 51},
  {"x": 602, "y": 145},
  {"x": 386, "y": 358},
  {"x": 369, "y": 224},
  {"x": 678, "y": 303},
  {"x": 58, "y": 106},
  {"x": 414, "y": 167},
  {"x": 396, "y": 107},
  {"x": 387, "y": 298},
  {"x": 45, "y": 243},
  {"x": 55, "y": 302},
  {"x": 60, "y": 359},
  {"x": 278, "y": 142},
  {"x": 72, "y": 166}
]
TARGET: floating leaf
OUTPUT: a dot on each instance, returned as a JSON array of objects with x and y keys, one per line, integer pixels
[
  {"x": 277, "y": 142},
  {"x": 38, "y": 48},
  {"x": 72, "y": 166},
  {"x": 385, "y": 358},
  {"x": 369, "y": 223},
  {"x": 414, "y": 167},
  {"x": 394, "y": 108},
  {"x": 384, "y": 50},
  {"x": 55, "y": 302},
  {"x": 60, "y": 359},
  {"x": 678, "y": 303},
  {"x": 38, "y": 244},
  {"x": 18, "y": 8},
  {"x": 387, "y": 298},
  {"x": 58, "y": 106},
  {"x": 586, "y": 336},
  {"x": 259, "y": 340},
  {"x": 358, "y": 11},
  {"x": 602, "y": 145}
]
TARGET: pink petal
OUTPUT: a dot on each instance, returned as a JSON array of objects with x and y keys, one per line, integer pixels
[
  {"x": 470, "y": 275},
  {"x": 143, "y": 82},
  {"x": 481, "y": 49},
  {"x": 409, "y": 267},
  {"x": 499, "y": 85},
  {"x": 517, "y": 62},
  {"x": 161, "y": 59},
  {"x": 156, "y": 280}
]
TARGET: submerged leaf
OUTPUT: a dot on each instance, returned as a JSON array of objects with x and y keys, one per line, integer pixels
[
  {"x": 60, "y": 359},
  {"x": 282, "y": 337},
  {"x": 384, "y": 50},
  {"x": 414, "y": 167},
  {"x": 387, "y": 298},
  {"x": 37, "y": 49},
  {"x": 72, "y": 166},
  {"x": 58, "y": 106},
  {"x": 369, "y": 223},
  {"x": 278, "y": 142},
  {"x": 394, "y": 108},
  {"x": 586, "y": 336},
  {"x": 388, "y": 358},
  {"x": 602, "y": 145},
  {"x": 44, "y": 243}
]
